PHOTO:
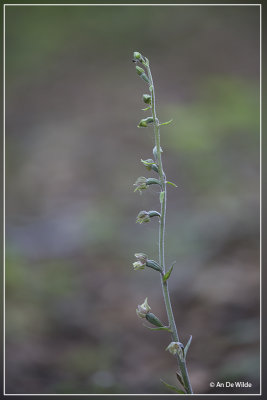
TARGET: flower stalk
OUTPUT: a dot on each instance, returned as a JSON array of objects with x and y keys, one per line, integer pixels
[{"x": 175, "y": 347}]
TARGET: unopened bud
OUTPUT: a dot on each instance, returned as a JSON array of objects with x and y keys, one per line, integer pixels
[
  {"x": 137, "y": 55},
  {"x": 155, "y": 153},
  {"x": 144, "y": 77},
  {"x": 150, "y": 164},
  {"x": 145, "y": 121},
  {"x": 139, "y": 70},
  {"x": 147, "y": 98}
]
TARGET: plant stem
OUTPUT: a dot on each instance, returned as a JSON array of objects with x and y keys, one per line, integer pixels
[{"x": 165, "y": 290}]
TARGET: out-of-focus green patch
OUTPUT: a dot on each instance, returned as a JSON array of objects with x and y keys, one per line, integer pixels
[
  {"x": 30, "y": 289},
  {"x": 29, "y": 281},
  {"x": 216, "y": 134},
  {"x": 15, "y": 274},
  {"x": 57, "y": 278},
  {"x": 57, "y": 29},
  {"x": 226, "y": 107}
]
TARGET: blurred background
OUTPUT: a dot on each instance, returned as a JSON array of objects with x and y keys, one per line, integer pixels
[{"x": 73, "y": 150}]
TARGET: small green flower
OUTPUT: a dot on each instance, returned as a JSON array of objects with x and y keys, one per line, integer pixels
[
  {"x": 175, "y": 348},
  {"x": 143, "y": 309},
  {"x": 138, "y": 265},
  {"x": 143, "y": 216},
  {"x": 141, "y": 261},
  {"x": 141, "y": 257},
  {"x": 140, "y": 184}
]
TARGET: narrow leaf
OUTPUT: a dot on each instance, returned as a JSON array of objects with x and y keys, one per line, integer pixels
[
  {"x": 145, "y": 109},
  {"x": 167, "y": 123},
  {"x": 161, "y": 197},
  {"x": 162, "y": 328},
  {"x": 168, "y": 274},
  {"x": 171, "y": 183},
  {"x": 148, "y": 162},
  {"x": 171, "y": 387},
  {"x": 187, "y": 346}
]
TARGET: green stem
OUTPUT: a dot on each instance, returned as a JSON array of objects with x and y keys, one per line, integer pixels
[{"x": 165, "y": 291}]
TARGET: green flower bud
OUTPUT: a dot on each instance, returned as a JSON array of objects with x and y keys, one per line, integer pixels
[
  {"x": 147, "y": 98},
  {"x": 145, "y": 121},
  {"x": 153, "y": 319},
  {"x": 142, "y": 124},
  {"x": 147, "y": 163},
  {"x": 143, "y": 309},
  {"x": 137, "y": 55},
  {"x": 139, "y": 70},
  {"x": 150, "y": 164},
  {"x": 144, "y": 77},
  {"x": 155, "y": 154}
]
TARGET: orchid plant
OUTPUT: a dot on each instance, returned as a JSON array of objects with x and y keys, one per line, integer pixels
[{"x": 175, "y": 347}]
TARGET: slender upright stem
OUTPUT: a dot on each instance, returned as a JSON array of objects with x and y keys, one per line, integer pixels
[{"x": 164, "y": 284}]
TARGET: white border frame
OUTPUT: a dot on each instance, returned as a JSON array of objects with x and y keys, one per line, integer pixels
[{"x": 123, "y": 5}]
